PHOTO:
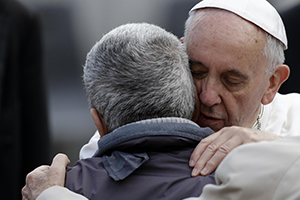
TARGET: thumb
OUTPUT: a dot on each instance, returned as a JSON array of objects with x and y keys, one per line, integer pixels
[{"x": 57, "y": 172}]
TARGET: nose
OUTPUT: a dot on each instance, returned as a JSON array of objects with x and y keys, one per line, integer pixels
[{"x": 208, "y": 92}]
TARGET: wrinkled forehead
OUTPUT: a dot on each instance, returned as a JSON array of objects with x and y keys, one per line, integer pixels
[
  {"x": 216, "y": 26},
  {"x": 226, "y": 37}
]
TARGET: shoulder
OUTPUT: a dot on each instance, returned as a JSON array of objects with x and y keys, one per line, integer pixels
[
  {"x": 271, "y": 153},
  {"x": 286, "y": 100},
  {"x": 83, "y": 171},
  {"x": 281, "y": 116},
  {"x": 266, "y": 166}
]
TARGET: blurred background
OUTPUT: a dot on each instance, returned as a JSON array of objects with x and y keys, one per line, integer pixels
[{"x": 69, "y": 28}]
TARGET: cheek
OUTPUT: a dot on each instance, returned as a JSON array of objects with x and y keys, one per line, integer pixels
[
  {"x": 246, "y": 107},
  {"x": 237, "y": 107}
]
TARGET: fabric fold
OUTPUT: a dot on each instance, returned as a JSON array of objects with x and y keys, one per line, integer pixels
[{"x": 120, "y": 165}]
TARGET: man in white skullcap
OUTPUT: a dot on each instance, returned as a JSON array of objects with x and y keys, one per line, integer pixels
[{"x": 236, "y": 52}]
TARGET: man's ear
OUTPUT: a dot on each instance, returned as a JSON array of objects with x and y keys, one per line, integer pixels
[
  {"x": 99, "y": 122},
  {"x": 280, "y": 75}
]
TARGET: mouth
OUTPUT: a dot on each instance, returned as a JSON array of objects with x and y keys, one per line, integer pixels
[
  {"x": 205, "y": 120},
  {"x": 207, "y": 117}
]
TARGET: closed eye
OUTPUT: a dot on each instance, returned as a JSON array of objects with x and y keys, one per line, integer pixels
[
  {"x": 198, "y": 70},
  {"x": 234, "y": 80},
  {"x": 198, "y": 74}
]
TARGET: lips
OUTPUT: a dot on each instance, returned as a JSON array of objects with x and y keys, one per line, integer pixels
[
  {"x": 206, "y": 120},
  {"x": 205, "y": 116},
  {"x": 208, "y": 116}
]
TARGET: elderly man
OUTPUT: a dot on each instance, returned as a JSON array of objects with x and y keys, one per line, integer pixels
[
  {"x": 141, "y": 91},
  {"x": 236, "y": 57}
]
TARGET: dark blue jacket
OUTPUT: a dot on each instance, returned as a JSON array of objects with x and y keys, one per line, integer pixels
[{"x": 142, "y": 161}]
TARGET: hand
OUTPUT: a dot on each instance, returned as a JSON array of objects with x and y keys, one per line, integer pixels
[
  {"x": 44, "y": 177},
  {"x": 212, "y": 150}
]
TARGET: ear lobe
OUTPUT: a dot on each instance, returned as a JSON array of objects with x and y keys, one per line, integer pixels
[
  {"x": 99, "y": 122},
  {"x": 280, "y": 75}
]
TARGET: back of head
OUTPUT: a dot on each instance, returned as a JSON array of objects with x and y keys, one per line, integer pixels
[{"x": 136, "y": 72}]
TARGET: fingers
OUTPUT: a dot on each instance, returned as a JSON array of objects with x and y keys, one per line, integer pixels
[
  {"x": 212, "y": 150},
  {"x": 213, "y": 156},
  {"x": 202, "y": 153},
  {"x": 25, "y": 192},
  {"x": 58, "y": 169},
  {"x": 44, "y": 177},
  {"x": 60, "y": 160},
  {"x": 33, "y": 179},
  {"x": 200, "y": 148}
]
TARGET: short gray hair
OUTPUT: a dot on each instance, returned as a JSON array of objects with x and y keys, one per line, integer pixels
[
  {"x": 139, "y": 71},
  {"x": 273, "y": 51}
]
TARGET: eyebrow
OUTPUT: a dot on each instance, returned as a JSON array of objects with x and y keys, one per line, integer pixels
[
  {"x": 232, "y": 71},
  {"x": 237, "y": 73},
  {"x": 196, "y": 62}
]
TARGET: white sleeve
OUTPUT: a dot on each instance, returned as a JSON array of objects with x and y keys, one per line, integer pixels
[
  {"x": 61, "y": 193},
  {"x": 263, "y": 170},
  {"x": 89, "y": 149}
]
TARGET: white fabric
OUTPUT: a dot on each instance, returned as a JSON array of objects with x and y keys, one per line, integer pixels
[
  {"x": 281, "y": 117},
  {"x": 89, "y": 149},
  {"x": 58, "y": 192},
  {"x": 263, "y": 170},
  {"x": 259, "y": 12}
]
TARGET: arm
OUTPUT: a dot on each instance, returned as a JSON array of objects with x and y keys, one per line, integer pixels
[
  {"x": 212, "y": 150},
  {"x": 59, "y": 192},
  {"x": 264, "y": 170}
]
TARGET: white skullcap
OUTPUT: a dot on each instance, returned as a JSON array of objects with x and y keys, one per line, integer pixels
[{"x": 259, "y": 12}]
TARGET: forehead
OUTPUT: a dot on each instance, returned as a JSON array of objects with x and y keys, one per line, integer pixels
[{"x": 215, "y": 35}]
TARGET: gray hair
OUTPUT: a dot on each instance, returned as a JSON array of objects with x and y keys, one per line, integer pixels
[
  {"x": 273, "y": 51},
  {"x": 138, "y": 71}
]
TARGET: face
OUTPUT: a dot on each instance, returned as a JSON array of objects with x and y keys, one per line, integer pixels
[{"x": 229, "y": 69}]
